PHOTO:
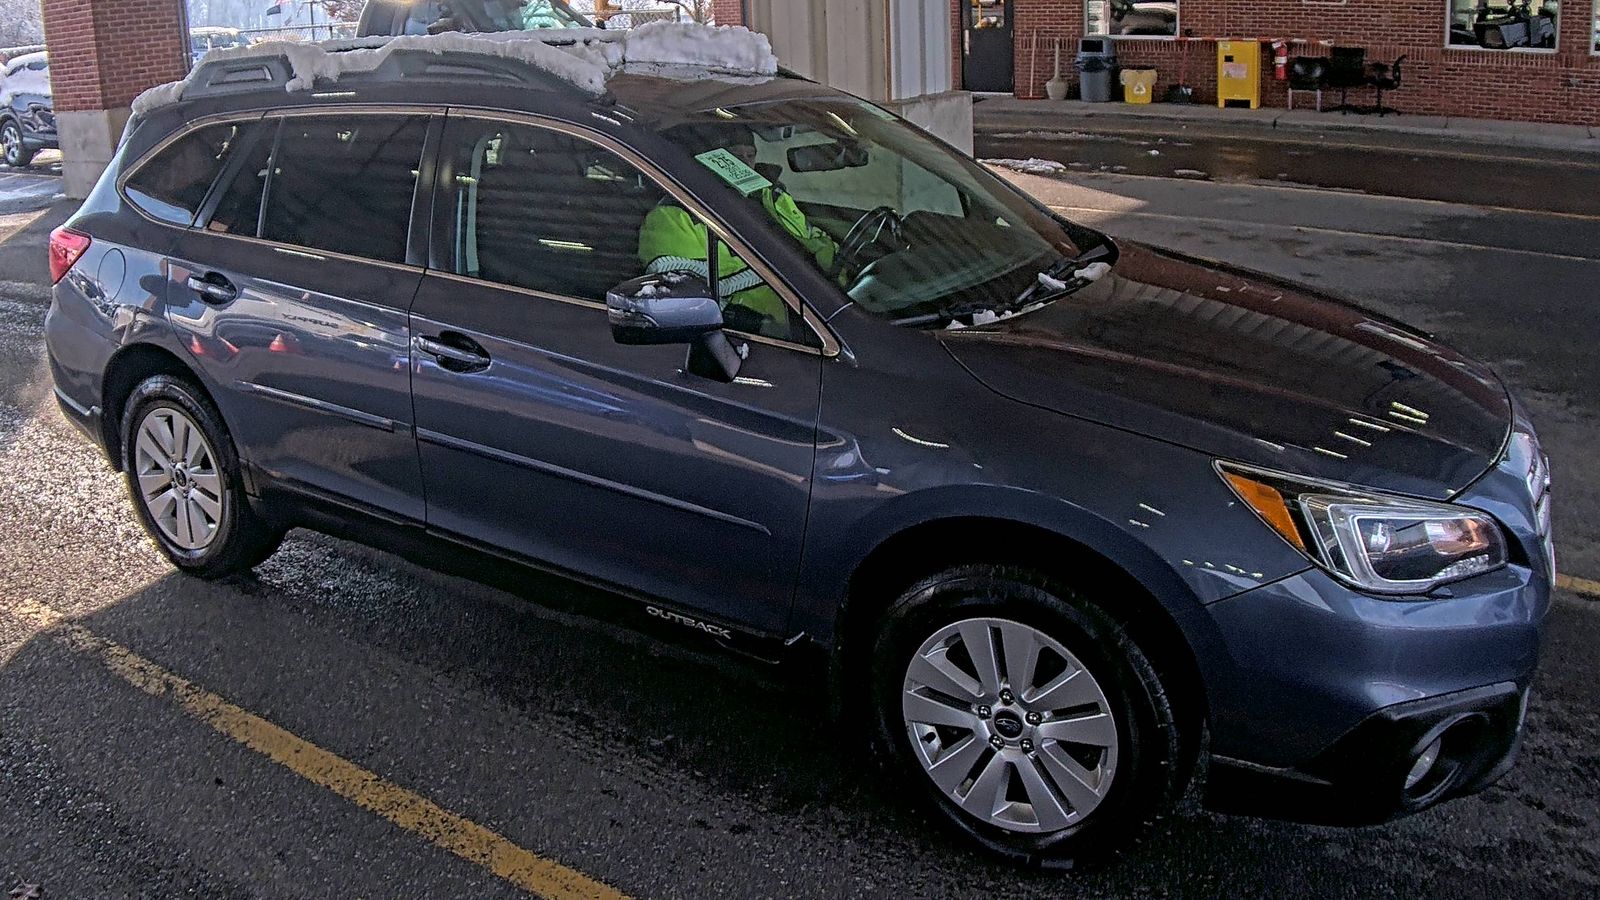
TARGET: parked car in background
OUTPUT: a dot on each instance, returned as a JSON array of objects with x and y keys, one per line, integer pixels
[
  {"x": 391, "y": 17},
  {"x": 27, "y": 117},
  {"x": 207, "y": 38},
  {"x": 1059, "y": 516}
]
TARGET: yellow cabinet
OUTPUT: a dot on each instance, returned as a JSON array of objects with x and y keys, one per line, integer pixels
[{"x": 1239, "y": 73}]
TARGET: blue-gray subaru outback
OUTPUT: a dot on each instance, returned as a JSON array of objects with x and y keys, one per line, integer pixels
[{"x": 1066, "y": 517}]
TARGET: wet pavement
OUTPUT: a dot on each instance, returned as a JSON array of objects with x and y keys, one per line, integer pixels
[
  {"x": 1393, "y": 165},
  {"x": 660, "y": 768}
]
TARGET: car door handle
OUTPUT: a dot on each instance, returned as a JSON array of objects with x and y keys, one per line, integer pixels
[
  {"x": 213, "y": 288},
  {"x": 461, "y": 354}
]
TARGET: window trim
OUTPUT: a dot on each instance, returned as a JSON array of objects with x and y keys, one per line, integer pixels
[
  {"x": 161, "y": 146},
  {"x": 830, "y": 344},
  {"x": 1449, "y": 13}
]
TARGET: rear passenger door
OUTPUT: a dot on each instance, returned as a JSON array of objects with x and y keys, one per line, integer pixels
[
  {"x": 541, "y": 435},
  {"x": 292, "y": 292}
]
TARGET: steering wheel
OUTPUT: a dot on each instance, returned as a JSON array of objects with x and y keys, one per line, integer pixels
[{"x": 872, "y": 223}]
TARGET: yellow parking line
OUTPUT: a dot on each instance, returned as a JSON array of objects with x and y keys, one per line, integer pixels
[
  {"x": 413, "y": 812},
  {"x": 1585, "y": 586}
]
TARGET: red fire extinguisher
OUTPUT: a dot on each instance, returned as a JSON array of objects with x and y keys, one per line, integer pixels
[{"x": 1280, "y": 60}]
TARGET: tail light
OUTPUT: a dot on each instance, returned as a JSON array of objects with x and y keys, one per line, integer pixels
[{"x": 65, "y": 249}]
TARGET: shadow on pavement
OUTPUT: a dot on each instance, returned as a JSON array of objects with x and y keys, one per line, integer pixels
[{"x": 659, "y": 771}]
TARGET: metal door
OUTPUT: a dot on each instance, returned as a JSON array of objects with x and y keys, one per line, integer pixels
[{"x": 987, "y": 53}]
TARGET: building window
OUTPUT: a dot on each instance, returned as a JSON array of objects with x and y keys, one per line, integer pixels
[
  {"x": 1133, "y": 18},
  {"x": 1504, "y": 24},
  {"x": 1597, "y": 26}
]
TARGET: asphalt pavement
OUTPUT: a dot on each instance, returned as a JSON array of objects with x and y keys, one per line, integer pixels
[{"x": 348, "y": 724}]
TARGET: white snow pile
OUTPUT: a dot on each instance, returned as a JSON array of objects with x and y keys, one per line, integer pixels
[
  {"x": 1028, "y": 166},
  {"x": 586, "y": 57}
]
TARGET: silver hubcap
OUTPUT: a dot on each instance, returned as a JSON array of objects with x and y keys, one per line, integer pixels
[
  {"x": 178, "y": 480},
  {"x": 10, "y": 142},
  {"x": 1010, "y": 725}
]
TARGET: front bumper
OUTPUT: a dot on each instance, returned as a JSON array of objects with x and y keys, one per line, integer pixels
[
  {"x": 1377, "y": 771},
  {"x": 1325, "y": 697}
]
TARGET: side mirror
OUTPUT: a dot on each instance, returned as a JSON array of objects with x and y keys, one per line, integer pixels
[
  {"x": 675, "y": 308},
  {"x": 670, "y": 308}
]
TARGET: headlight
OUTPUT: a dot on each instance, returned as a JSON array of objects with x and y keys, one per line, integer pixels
[{"x": 1379, "y": 543}]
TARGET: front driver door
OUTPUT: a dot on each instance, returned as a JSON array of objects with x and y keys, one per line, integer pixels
[{"x": 540, "y": 435}]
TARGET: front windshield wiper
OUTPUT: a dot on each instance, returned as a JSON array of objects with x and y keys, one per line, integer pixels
[{"x": 1086, "y": 268}]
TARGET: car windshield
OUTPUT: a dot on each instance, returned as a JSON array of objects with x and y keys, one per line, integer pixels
[{"x": 911, "y": 230}]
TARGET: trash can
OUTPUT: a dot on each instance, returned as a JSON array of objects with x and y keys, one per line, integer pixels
[
  {"x": 1138, "y": 85},
  {"x": 1097, "y": 67}
]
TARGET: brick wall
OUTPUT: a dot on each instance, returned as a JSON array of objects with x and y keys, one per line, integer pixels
[
  {"x": 728, "y": 12},
  {"x": 1563, "y": 86},
  {"x": 104, "y": 52}
]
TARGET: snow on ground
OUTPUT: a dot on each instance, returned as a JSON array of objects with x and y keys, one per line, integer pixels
[
  {"x": 586, "y": 57},
  {"x": 1028, "y": 166}
]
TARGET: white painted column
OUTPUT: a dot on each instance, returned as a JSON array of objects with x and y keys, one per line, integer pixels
[{"x": 893, "y": 52}]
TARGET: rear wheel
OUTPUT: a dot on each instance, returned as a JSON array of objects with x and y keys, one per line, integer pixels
[
  {"x": 12, "y": 150},
  {"x": 186, "y": 482},
  {"x": 1024, "y": 714}
]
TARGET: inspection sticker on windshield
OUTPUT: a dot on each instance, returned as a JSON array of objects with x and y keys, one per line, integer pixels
[{"x": 732, "y": 169}]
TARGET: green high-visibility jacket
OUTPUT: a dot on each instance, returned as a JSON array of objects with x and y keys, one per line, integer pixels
[{"x": 671, "y": 240}]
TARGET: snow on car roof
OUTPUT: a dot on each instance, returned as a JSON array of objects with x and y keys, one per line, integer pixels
[{"x": 584, "y": 57}]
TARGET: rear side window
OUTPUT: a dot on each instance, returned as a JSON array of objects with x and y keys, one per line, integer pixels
[
  {"x": 172, "y": 184},
  {"x": 239, "y": 209},
  {"x": 345, "y": 184}
]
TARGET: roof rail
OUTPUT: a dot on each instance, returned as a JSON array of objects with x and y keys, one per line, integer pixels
[
  {"x": 220, "y": 77},
  {"x": 560, "y": 59}
]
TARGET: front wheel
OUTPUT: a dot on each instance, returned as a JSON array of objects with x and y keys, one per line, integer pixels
[
  {"x": 12, "y": 150},
  {"x": 186, "y": 481},
  {"x": 1024, "y": 714}
]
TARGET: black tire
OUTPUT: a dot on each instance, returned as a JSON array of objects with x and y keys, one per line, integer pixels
[
  {"x": 241, "y": 539},
  {"x": 1148, "y": 776},
  {"x": 16, "y": 155}
]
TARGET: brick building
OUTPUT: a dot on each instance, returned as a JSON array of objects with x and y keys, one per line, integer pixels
[
  {"x": 102, "y": 54},
  {"x": 1539, "y": 62}
]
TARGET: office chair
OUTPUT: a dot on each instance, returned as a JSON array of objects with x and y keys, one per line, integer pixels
[
  {"x": 1308, "y": 73},
  {"x": 1385, "y": 77},
  {"x": 1347, "y": 68}
]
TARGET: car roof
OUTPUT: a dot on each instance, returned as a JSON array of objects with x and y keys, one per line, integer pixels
[
  {"x": 28, "y": 58},
  {"x": 517, "y": 71}
]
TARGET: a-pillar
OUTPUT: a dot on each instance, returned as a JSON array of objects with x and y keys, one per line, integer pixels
[{"x": 102, "y": 54}]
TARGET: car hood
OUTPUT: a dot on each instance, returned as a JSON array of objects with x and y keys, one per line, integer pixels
[{"x": 1248, "y": 368}]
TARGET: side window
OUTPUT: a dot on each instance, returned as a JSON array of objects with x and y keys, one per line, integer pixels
[
  {"x": 345, "y": 184},
  {"x": 539, "y": 209},
  {"x": 239, "y": 208},
  {"x": 171, "y": 185}
]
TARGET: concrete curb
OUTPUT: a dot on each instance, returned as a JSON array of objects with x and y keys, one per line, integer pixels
[{"x": 1041, "y": 115}]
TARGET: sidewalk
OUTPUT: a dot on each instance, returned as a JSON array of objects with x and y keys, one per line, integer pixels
[{"x": 1007, "y": 114}]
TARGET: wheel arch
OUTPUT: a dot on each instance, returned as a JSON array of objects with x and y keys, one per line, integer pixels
[
  {"x": 124, "y": 371},
  {"x": 1152, "y": 602}
]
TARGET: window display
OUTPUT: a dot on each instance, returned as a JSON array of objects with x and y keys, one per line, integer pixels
[
  {"x": 1504, "y": 24},
  {"x": 1147, "y": 18}
]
